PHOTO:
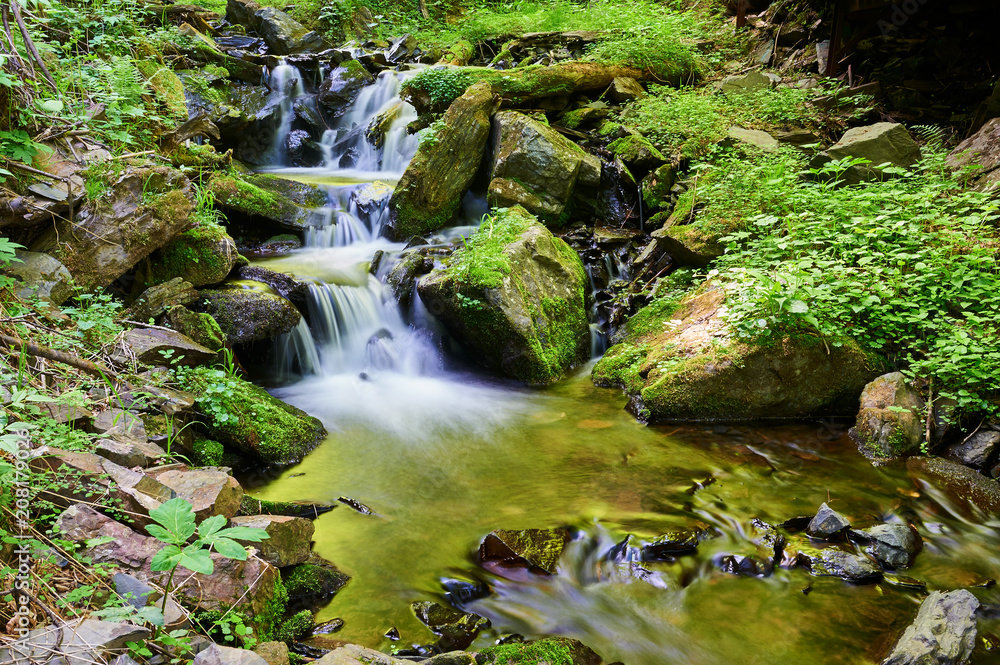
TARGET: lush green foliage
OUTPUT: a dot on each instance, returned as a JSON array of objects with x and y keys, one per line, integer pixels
[
  {"x": 907, "y": 267},
  {"x": 482, "y": 260}
]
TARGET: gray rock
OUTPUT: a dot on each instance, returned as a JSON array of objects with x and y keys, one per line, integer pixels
[
  {"x": 625, "y": 89},
  {"x": 126, "y": 423},
  {"x": 881, "y": 143},
  {"x": 827, "y": 523},
  {"x": 739, "y": 84},
  {"x": 944, "y": 632},
  {"x": 40, "y": 275},
  {"x": 210, "y": 492},
  {"x": 977, "y": 451},
  {"x": 135, "y": 592},
  {"x": 83, "y": 642},
  {"x": 402, "y": 48},
  {"x": 893, "y": 545},
  {"x": 154, "y": 346},
  {"x": 155, "y": 300},
  {"x": 284, "y": 35},
  {"x": 219, "y": 655},
  {"x": 833, "y": 562},
  {"x": 289, "y": 541},
  {"x": 890, "y": 423},
  {"x": 979, "y": 156},
  {"x": 341, "y": 88},
  {"x": 130, "y": 452},
  {"x": 275, "y": 653},
  {"x": 753, "y": 137}
]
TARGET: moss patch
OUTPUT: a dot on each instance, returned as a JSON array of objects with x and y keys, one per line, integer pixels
[{"x": 202, "y": 255}]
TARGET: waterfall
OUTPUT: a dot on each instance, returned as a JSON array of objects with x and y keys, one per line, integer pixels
[{"x": 285, "y": 83}]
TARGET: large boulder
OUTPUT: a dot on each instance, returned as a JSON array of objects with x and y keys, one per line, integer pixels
[
  {"x": 250, "y": 420},
  {"x": 890, "y": 423},
  {"x": 263, "y": 198},
  {"x": 338, "y": 92},
  {"x": 249, "y": 585},
  {"x": 284, "y": 35},
  {"x": 980, "y": 155},
  {"x": 514, "y": 298},
  {"x": 881, "y": 143},
  {"x": 681, "y": 362},
  {"x": 944, "y": 632},
  {"x": 203, "y": 255},
  {"x": 536, "y": 167},
  {"x": 209, "y": 491},
  {"x": 40, "y": 275},
  {"x": 430, "y": 192},
  {"x": 141, "y": 212},
  {"x": 249, "y": 315},
  {"x": 289, "y": 541}
]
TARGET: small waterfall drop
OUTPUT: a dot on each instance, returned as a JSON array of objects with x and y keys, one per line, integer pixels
[{"x": 285, "y": 83}]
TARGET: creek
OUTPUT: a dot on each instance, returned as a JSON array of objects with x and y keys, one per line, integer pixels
[{"x": 443, "y": 454}]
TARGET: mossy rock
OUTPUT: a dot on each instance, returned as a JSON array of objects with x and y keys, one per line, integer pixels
[
  {"x": 458, "y": 54},
  {"x": 313, "y": 582},
  {"x": 206, "y": 452},
  {"x": 296, "y": 627},
  {"x": 890, "y": 423},
  {"x": 287, "y": 203},
  {"x": 248, "y": 315},
  {"x": 514, "y": 299},
  {"x": 257, "y": 424},
  {"x": 199, "y": 326},
  {"x": 165, "y": 85},
  {"x": 679, "y": 361},
  {"x": 203, "y": 255},
  {"x": 638, "y": 154},
  {"x": 550, "y": 651}
]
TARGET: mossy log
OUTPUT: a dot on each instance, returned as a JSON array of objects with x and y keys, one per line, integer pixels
[{"x": 518, "y": 87}]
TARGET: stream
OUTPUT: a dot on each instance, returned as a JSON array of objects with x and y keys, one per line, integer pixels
[{"x": 444, "y": 454}]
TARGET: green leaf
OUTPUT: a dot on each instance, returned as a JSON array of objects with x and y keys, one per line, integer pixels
[
  {"x": 166, "y": 559},
  {"x": 244, "y": 533},
  {"x": 51, "y": 106},
  {"x": 230, "y": 549},
  {"x": 177, "y": 518},
  {"x": 197, "y": 560},
  {"x": 211, "y": 526}
]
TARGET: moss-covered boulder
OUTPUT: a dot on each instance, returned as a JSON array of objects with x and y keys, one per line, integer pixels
[
  {"x": 458, "y": 54},
  {"x": 338, "y": 92},
  {"x": 249, "y": 315},
  {"x": 550, "y": 651},
  {"x": 679, "y": 361},
  {"x": 261, "y": 198},
  {"x": 289, "y": 538},
  {"x": 313, "y": 582},
  {"x": 141, "y": 210},
  {"x": 514, "y": 299},
  {"x": 246, "y": 417},
  {"x": 536, "y": 167},
  {"x": 199, "y": 326},
  {"x": 430, "y": 192},
  {"x": 203, "y": 255},
  {"x": 891, "y": 421},
  {"x": 638, "y": 153}
]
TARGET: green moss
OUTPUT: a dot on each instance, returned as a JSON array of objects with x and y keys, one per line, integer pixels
[
  {"x": 633, "y": 147},
  {"x": 238, "y": 193},
  {"x": 199, "y": 326},
  {"x": 296, "y": 627},
  {"x": 482, "y": 262},
  {"x": 552, "y": 651},
  {"x": 311, "y": 582},
  {"x": 206, "y": 452},
  {"x": 165, "y": 85},
  {"x": 195, "y": 256}
]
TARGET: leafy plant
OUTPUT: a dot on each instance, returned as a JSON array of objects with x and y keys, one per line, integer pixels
[{"x": 175, "y": 526}]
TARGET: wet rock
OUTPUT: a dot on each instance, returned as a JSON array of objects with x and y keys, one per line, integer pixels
[
  {"x": 328, "y": 627},
  {"x": 746, "y": 566},
  {"x": 290, "y": 538},
  {"x": 724, "y": 378},
  {"x": 977, "y": 451},
  {"x": 220, "y": 655},
  {"x": 833, "y": 562},
  {"x": 537, "y": 548},
  {"x": 571, "y": 652},
  {"x": 536, "y": 167},
  {"x": 670, "y": 544},
  {"x": 890, "y": 423},
  {"x": 884, "y": 142},
  {"x": 404, "y": 275},
  {"x": 79, "y": 642},
  {"x": 944, "y": 631},
  {"x": 209, "y": 492},
  {"x": 202, "y": 255},
  {"x": 527, "y": 321},
  {"x": 457, "y": 629},
  {"x": 129, "y": 452},
  {"x": 638, "y": 154},
  {"x": 154, "y": 301},
  {"x": 625, "y": 89},
  {"x": 402, "y": 49},
  {"x": 40, "y": 275},
  {"x": 355, "y": 505},
  {"x": 894, "y": 546},
  {"x": 263, "y": 198},
  {"x": 273, "y": 653},
  {"x": 245, "y": 584},
  {"x": 430, "y": 192},
  {"x": 355, "y": 654},
  {"x": 827, "y": 523},
  {"x": 248, "y": 315},
  {"x": 903, "y": 582},
  {"x": 313, "y": 583},
  {"x": 341, "y": 88},
  {"x": 155, "y": 346},
  {"x": 304, "y": 509},
  {"x": 144, "y": 210},
  {"x": 285, "y": 35},
  {"x": 198, "y": 326},
  {"x": 979, "y": 156},
  {"x": 284, "y": 285},
  {"x": 960, "y": 481},
  {"x": 463, "y": 591}
]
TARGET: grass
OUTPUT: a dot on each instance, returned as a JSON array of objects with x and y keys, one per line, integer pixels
[{"x": 482, "y": 260}]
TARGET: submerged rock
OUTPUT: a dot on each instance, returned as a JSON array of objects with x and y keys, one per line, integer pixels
[
  {"x": 962, "y": 482},
  {"x": 457, "y": 629},
  {"x": 835, "y": 562},
  {"x": 430, "y": 192},
  {"x": 537, "y": 548},
  {"x": 681, "y": 541},
  {"x": 889, "y": 424},
  {"x": 313, "y": 582},
  {"x": 681, "y": 363},
  {"x": 517, "y": 307},
  {"x": 944, "y": 632}
]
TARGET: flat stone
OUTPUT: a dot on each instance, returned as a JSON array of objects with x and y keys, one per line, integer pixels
[
  {"x": 210, "y": 492},
  {"x": 290, "y": 537},
  {"x": 135, "y": 592},
  {"x": 156, "y": 346},
  {"x": 130, "y": 452},
  {"x": 672, "y": 543},
  {"x": 753, "y": 137},
  {"x": 827, "y": 523},
  {"x": 68, "y": 414},
  {"x": 740, "y": 84},
  {"x": 82, "y": 643},
  {"x": 943, "y": 633},
  {"x": 119, "y": 421},
  {"x": 40, "y": 275}
]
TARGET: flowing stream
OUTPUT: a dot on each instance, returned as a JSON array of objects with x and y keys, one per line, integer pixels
[{"x": 443, "y": 455}]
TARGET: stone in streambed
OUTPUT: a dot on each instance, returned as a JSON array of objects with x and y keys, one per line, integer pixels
[
  {"x": 894, "y": 546},
  {"x": 338, "y": 92},
  {"x": 960, "y": 481},
  {"x": 890, "y": 423},
  {"x": 289, "y": 538},
  {"x": 835, "y": 562},
  {"x": 248, "y": 315},
  {"x": 943, "y": 633},
  {"x": 977, "y": 451},
  {"x": 827, "y": 523},
  {"x": 457, "y": 629},
  {"x": 538, "y": 548},
  {"x": 550, "y": 651},
  {"x": 313, "y": 582},
  {"x": 514, "y": 299},
  {"x": 673, "y": 543},
  {"x": 305, "y": 509}
]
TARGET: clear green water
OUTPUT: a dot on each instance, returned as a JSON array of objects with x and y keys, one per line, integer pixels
[{"x": 443, "y": 461}]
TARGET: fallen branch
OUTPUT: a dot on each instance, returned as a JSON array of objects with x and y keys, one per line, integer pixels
[
  {"x": 92, "y": 368},
  {"x": 30, "y": 45}
]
